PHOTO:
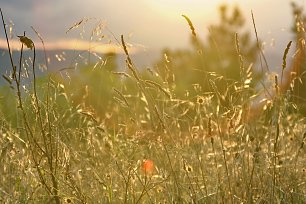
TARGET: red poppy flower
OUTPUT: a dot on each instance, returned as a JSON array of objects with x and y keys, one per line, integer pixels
[{"x": 147, "y": 166}]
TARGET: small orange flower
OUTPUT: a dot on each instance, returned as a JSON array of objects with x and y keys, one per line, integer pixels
[{"x": 147, "y": 166}]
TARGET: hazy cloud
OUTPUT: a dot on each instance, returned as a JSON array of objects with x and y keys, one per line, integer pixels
[{"x": 155, "y": 24}]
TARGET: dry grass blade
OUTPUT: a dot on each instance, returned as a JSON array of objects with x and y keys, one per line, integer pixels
[
  {"x": 160, "y": 117},
  {"x": 129, "y": 61},
  {"x": 77, "y": 24},
  {"x": 284, "y": 60},
  {"x": 122, "y": 97},
  {"x": 122, "y": 74},
  {"x": 237, "y": 43},
  {"x": 258, "y": 45},
  {"x": 43, "y": 44},
  {"x": 7, "y": 41},
  {"x": 159, "y": 87},
  {"x": 285, "y": 55},
  {"x": 38, "y": 34},
  {"x": 7, "y": 79},
  {"x": 125, "y": 49},
  {"x": 88, "y": 114},
  {"x": 239, "y": 54},
  {"x": 190, "y": 25},
  {"x": 276, "y": 84}
]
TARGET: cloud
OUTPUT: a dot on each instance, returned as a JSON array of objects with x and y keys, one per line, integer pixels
[
  {"x": 73, "y": 44},
  {"x": 53, "y": 18},
  {"x": 17, "y": 4}
]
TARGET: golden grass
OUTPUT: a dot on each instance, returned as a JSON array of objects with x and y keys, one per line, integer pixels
[{"x": 150, "y": 145}]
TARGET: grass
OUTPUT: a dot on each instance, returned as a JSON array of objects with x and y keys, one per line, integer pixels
[{"x": 151, "y": 145}]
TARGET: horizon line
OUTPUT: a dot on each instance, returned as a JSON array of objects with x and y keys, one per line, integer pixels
[{"x": 71, "y": 44}]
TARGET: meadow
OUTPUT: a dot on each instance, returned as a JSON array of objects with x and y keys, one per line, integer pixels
[{"x": 206, "y": 125}]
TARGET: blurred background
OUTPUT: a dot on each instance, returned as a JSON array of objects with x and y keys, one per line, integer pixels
[{"x": 149, "y": 25}]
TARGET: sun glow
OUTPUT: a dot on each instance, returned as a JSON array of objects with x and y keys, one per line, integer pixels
[{"x": 196, "y": 8}]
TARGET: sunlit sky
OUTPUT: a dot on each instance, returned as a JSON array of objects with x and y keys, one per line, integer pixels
[{"x": 153, "y": 24}]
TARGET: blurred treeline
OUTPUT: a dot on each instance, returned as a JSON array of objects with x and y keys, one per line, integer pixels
[{"x": 223, "y": 69}]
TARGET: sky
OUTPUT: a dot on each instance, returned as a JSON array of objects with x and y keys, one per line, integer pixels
[{"x": 146, "y": 24}]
